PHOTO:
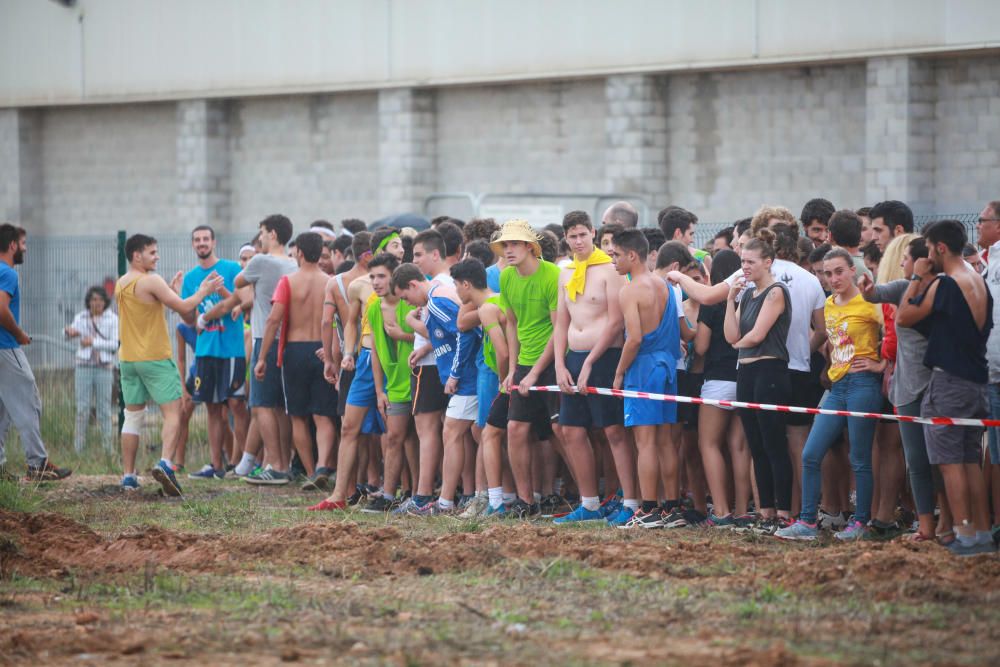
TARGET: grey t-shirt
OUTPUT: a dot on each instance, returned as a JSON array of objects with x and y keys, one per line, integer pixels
[
  {"x": 264, "y": 272},
  {"x": 910, "y": 378}
]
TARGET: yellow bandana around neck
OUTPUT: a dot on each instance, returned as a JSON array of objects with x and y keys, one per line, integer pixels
[{"x": 578, "y": 280}]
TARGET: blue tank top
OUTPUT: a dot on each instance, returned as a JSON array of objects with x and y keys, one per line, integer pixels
[{"x": 665, "y": 338}]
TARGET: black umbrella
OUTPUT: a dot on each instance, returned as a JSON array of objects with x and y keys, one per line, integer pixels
[{"x": 401, "y": 220}]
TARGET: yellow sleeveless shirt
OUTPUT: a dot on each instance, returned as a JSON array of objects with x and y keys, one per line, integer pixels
[{"x": 142, "y": 326}]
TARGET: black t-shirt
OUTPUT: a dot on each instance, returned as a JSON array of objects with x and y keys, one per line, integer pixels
[{"x": 721, "y": 358}]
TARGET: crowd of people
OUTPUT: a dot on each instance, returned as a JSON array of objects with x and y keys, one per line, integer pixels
[{"x": 400, "y": 371}]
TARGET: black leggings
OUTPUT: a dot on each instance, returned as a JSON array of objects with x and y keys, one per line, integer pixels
[{"x": 767, "y": 381}]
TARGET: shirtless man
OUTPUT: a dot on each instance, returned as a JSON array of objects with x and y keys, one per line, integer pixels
[
  {"x": 588, "y": 340},
  {"x": 648, "y": 363},
  {"x": 148, "y": 371},
  {"x": 297, "y": 308}
]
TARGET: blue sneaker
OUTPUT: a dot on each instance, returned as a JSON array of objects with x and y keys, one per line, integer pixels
[
  {"x": 610, "y": 507},
  {"x": 580, "y": 514},
  {"x": 130, "y": 483},
  {"x": 428, "y": 509},
  {"x": 800, "y": 530},
  {"x": 207, "y": 472},
  {"x": 496, "y": 512},
  {"x": 855, "y": 531},
  {"x": 164, "y": 475},
  {"x": 623, "y": 516}
]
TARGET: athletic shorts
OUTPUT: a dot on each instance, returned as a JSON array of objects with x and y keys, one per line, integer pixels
[
  {"x": 266, "y": 393},
  {"x": 427, "y": 390},
  {"x": 498, "y": 418},
  {"x": 950, "y": 396},
  {"x": 144, "y": 381},
  {"x": 807, "y": 392},
  {"x": 588, "y": 410},
  {"x": 655, "y": 373},
  {"x": 538, "y": 408},
  {"x": 218, "y": 379},
  {"x": 398, "y": 409},
  {"x": 462, "y": 407},
  {"x": 189, "y": 385},
  {"x": 719, "y": 390},
  {"x": 344, "y": 388},
  {"x": 362, "y": 393},
  {"x": 487, "y": 388},
  {"x": 306, "y": 390},
  {"x": 689, "y": 384}
]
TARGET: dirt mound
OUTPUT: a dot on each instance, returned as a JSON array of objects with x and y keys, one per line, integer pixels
[{"x": 42, "y": 544}]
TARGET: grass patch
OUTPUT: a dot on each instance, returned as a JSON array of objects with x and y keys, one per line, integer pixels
[{"x": 17, "y": 497}]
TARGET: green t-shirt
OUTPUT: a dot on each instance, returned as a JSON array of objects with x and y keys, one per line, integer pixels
[
  {"x": 489, "y": 353},
  {"x": 533, "y": 299},
  {"x": 392, "y": 354}
]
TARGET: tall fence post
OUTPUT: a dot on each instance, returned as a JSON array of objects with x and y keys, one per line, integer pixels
[{"x": 122, "y": 270}]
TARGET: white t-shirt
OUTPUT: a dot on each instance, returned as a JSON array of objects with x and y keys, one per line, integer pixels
[
  {"x": 992, "y": 276},
  {"x": 679, "y": 296},
  {"x": 807, "y": 296},
  {"x": 443, "y": 278}
]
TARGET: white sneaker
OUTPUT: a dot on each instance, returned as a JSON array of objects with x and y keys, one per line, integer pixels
[
  {"x": 477, "y": 507},
  {"x": 834, "y": 522}
]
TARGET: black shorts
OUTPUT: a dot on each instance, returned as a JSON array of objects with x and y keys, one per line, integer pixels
[
  {"x": 538, "y": 408},
  {"x": 343, "y": 389},
  {"x": 427, "y": 390},
  {"x": 189, "y": 385},
  {"x": 266, "y": 393},
  {"x": 498, "y": 417},
  {"x": 306, "y": 390},
  {"x": 216, "y": 379},
  {"x": 806, "y": 393},
  {"x": 689, "y": 384},
  {"x": 588, "y": 410}
]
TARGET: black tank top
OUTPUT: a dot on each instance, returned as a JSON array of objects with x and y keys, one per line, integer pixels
[{"x": 773, "y": 344}]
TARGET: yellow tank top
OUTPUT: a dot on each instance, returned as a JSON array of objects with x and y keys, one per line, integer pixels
[
  {"x": 853, "y": 330},
  {"x": 142, "y": 326},
  {"x": 366, "y": 327}
]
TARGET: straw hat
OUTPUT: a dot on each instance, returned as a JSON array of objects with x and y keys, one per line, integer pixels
[{"x": 515, "y": 230}]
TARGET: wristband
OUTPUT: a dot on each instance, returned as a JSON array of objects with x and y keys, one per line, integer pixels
[{"x": 915, "y": 277}]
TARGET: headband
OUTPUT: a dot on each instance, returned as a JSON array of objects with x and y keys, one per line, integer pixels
[
  {"x": 321, "y": 231},
  {"x": 386, "y": 241},
  {"x": 347, "y": 232},
  {"x": 246, "y": 246}
]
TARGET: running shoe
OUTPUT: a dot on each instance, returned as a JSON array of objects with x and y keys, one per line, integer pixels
[
  {"x": 743, "y": 523},
  {"x": 827, "y": 521},
  {"x": 403, "y": 508},
  {"x": 553, "y": 505},
  {"x": 642, "y": 519},
  {"x": 580, "y": 515},
  {"x": 379, "y": 505},
  {"x": 47, "y": 472},
  {"x": 319, "y": 481},
  {"x": 521, "y": 510},
  {"x": 359, "y": 494},
  {"x": 430, "y": 508},
  {"x": 623, "y": 516},
  {"x": 207, "y": 472},
  {"x": 854, "y": 531},
  {"x": 799, "y": 531},
  {"x": 674, "y": 518},
  {"x": 878, "y": 530},
  {"x": 723, "y": 522},
  {"x": 770, "y": 526},
  {"x": 130, "y": 483},
  {"x": 611, "y": 506},
  {"x": 164, "y": 475},
  {"x": 695, "y": 519},
  {"x": 328, "y": 506},
  {"x": 959, "y": 549},
  {"x": 476, "y": 507},
  {"x": 269, "y": 477},
  {"x": 495, "y": 512}
]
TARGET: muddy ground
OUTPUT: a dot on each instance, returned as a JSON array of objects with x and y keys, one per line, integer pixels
[{"x": 236, "y": 575}]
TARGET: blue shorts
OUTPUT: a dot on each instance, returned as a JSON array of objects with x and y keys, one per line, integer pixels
[
  {"x": 655, "y": 373},
  {"x": 266, "y": 393},
  {"x": 362, "y": 393},
  {"x": 487, "y": 388},
  {"x": 994, "y": 433}
]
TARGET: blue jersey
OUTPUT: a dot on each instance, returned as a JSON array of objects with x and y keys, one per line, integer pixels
[
  {"x": 190, "y": 336},
  {"x": 8, "y": 283},
  {"x": 222, "y": 337},
  {"x": 493, "y": 277},
  {"x": 454, "y": 350}
]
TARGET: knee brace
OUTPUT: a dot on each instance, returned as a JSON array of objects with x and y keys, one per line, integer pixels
[{"x": 133, "y": 422}]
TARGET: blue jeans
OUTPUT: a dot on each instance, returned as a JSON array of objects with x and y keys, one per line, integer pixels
[
  {"x": 915, "y": 452},
  {"x": 994, "y": 433},
  {"x": 860, "y": 392},
  {"x": 93, "y": 388}
]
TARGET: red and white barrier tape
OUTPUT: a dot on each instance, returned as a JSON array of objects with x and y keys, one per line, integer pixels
[{"x": 624, "y": 393}]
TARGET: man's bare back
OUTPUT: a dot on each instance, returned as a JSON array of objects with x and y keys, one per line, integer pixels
[
  {"x": 649, "y": 294},
  {"x": 305, "y": 310},
  {"x": 589, "y": 314}
]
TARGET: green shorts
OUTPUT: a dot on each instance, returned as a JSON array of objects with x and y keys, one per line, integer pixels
[{"x": 143, "y": 381}]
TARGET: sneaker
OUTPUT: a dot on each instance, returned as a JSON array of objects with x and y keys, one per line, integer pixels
[
  {"x": 723, "y": 522},
  {"x": 319, "y": 481},
  {"x": 359, "y": 494},
  {"x": 743, "y": 523},
  {"x": 521, "y": 510},
  {"x": 623, "y": 516},
  {"x": 495, "y": 512},
  {"x": 328, "y": 506},
  {"x": 770, "y": 526},
  {"x": 642, "y": 519},
  {"x": 834, "y": 522},
  {"x": 207, "y": 472},
  {"x": 164, "y": 475},
  {"x": 695, "y": 519},
  {"x": 959, "y": 549},
  {"x": 476, "y": 507},
  {"x": 854, "y": 531},
  {"x": 379, "y": 505},
  {"x": 403, "y": 508},
  {"x": 800, "y": 530},
  {"x": 47, "y": 472},
  {"x": 269, "y": 477},
  {"x": 611, "y": 506},
  {"x": 428, "y": 509},
  {"x": 877, "y": 530},
  {"x": 130, "y": 483},
  {"x": 258, "y": 470},
  {"x": 553, "y": 505},
  {"x": 580, "y": 515},
  {"x": 674, "y": 518}
]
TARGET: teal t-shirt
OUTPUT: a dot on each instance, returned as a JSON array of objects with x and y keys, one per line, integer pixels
[
  {"x": 222, "y": 337},
  {"x": 533, "y": 299}
]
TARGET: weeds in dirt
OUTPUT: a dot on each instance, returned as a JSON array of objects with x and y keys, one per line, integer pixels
[{"x": 18, "y": 497}]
